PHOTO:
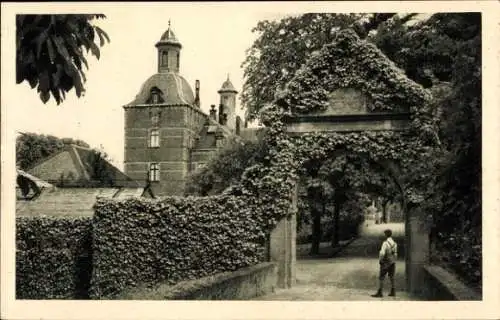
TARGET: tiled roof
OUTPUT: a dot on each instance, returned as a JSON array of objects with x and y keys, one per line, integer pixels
[
  {"x": 174, "y": 88},
  {"x": 71, "y": 201},
  {"x": 227, "y": 86},
  {"x": 207, "y": 138},
  {"x": 76, "y": 166},
  {"x": 208, "y": 132},
  {"x": 168, "y": 37},
  {"x": 63, "y": 202}
]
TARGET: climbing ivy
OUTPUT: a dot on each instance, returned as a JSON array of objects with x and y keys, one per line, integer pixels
[{"x": 348, "y": 62}]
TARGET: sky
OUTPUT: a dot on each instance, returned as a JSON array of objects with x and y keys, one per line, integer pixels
[
  {"x": 214, "y": 36},
  {"x": 214, "y": 39}
]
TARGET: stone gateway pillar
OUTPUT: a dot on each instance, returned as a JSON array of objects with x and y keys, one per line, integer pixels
[
  {"x": 282, "y": 246},
  {"x": 418, "y": 228}
]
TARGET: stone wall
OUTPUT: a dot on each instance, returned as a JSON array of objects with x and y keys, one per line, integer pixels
[
  {"x": 242, "y": 284},
  {"x": 442, "y": 285}
]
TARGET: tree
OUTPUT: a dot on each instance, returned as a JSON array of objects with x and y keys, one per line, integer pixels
[
  {"x": 49, "y": 52},
  {"x": 458, "y": 187},
  {"x": 338, "y": 188},
  {"x": 227, "y": 167},
  {"x": 426, "y": 50},
  {"x": 283, "y": 46}
]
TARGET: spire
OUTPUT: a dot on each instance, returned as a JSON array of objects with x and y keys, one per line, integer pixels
[
  {"x": 168, "y": 51},
  {"x": 168, "y": 37},
  {"x": 227, "y": 86}
]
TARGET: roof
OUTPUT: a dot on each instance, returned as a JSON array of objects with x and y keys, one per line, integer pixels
[
  {"x": 71, "y": 201},
  {"x": 174, "y": 88},
  {"x": 78, "y": 166},
  {"x": 39, "y": 182},
  {"x": 227, "y": 86},
  {"x": 168, "y": 37},
  {"x": 207, "y": 135}
]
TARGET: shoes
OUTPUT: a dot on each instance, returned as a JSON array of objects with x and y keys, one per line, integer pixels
[
  {"x": 378, "y": 294},
  {"x": 392, "y": 294}
]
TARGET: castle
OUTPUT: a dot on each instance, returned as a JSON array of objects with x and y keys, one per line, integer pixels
[{"x": 167, "y": 135}]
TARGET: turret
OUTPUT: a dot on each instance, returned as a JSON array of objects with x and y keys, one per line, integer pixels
[
  {"x": 169, "y": 49},
  {"x": 228, "y": 104}
]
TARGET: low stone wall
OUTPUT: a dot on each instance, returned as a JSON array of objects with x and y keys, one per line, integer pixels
[
  {"x": 441, "y": 284},
  {"x": 242, "y": 284}
]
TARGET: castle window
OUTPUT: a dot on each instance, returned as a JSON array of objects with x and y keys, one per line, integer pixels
[
  {"x": 164, "y": 58},
  {"x": 154, "y": 138},
  {"x": 178, "y": 60},
  {"x": 154, "y": 171}
]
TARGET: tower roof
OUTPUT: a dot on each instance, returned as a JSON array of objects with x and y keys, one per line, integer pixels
[
  {"x": 168, "y": 37},
  {"x": 227, "y": 86},
  {"x": 174, "y": 87}
]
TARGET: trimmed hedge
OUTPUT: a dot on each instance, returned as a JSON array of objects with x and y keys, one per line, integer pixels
[
  {"x": 53, "y": 257},
  {"x": 145, "y": 242}
]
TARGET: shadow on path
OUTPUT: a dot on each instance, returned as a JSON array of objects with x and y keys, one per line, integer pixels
[{"x": 351, "y": 275}]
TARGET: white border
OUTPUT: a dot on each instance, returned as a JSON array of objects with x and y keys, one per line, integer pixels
[{"x": 12, "y": 309}]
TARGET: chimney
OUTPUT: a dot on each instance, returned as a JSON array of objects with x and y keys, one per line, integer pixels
[
  {"x": 213, "y": 113},
  {"x": 197, "y": 93},
  {"x": 67, "y": 141},
  {"x": 221, "y": 113},
  {"x": 238, "y": 125}
]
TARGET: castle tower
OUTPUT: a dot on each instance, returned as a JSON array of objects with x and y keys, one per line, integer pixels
[
  {"x": 162, "y": 124},
  {"x": 169, "y": 52},
  {"x": 228, "y": 104}
]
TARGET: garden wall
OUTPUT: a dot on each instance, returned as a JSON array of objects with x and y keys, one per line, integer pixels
[
  {"x": 144, "y": 242},
  {"x": 440, "y": 284},
  {"x": 242, "y": 284}
]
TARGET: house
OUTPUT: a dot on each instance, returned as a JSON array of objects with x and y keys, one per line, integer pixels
[
  {"x": 77, "y": 166},
  {"x": 69, "y": 182},
  {"x": 167, "y": 135}
]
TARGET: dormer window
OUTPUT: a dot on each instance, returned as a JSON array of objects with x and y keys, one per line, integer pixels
[{"x": 155, "y": 96}]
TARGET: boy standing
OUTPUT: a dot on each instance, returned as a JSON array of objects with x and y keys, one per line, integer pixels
[{"x": 387, "y": 260}]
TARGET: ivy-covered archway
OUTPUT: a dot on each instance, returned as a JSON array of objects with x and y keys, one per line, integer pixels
[{"x": 348, "y": 96}]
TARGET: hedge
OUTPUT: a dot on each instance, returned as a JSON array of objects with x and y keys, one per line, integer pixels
[
  {"x": 53, "y": 257},
  {"x": 145, "y": 242}
]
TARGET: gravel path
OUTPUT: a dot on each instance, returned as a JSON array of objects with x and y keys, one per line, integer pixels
[{"x": 351, "y": 275}]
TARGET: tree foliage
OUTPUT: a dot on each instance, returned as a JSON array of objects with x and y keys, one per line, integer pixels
[
  {"x": 33, "y": 147},
  {"x": 284, "y": 46},
  {"x": 50, "y": 52},
  {"x": 426, "y": 50},
  {"x": 226, "y": 168}
]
